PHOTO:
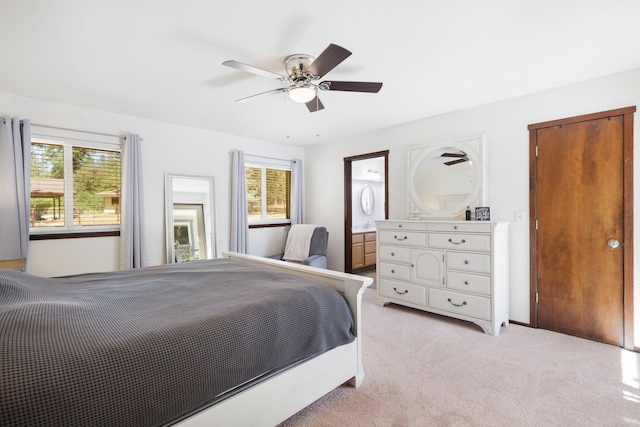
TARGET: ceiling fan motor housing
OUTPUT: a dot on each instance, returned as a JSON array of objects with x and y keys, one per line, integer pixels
[{"x": 297, "y": 65}]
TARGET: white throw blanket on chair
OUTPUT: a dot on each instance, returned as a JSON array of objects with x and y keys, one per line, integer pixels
[{"x": 298, "y": 242}]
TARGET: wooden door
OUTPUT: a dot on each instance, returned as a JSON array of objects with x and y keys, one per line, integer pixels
[{"x": 578, "y": 198}]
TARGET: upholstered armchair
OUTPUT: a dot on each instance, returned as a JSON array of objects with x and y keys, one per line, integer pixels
[{"x": 317, "y": 256}]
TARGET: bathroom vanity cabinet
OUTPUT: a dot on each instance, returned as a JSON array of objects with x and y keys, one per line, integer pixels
[
  {"x": 453, "y": 268},
  {"x": 363, "y": 250}
]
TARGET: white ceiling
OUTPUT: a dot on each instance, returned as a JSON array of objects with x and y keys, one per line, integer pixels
[{"x": 161, "y": 59}]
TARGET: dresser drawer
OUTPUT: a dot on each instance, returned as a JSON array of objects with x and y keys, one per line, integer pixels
[
  {"x": 469, "y": 282},
  {"x": 459, "y": 303},
  {"x": 401, "y": 225},
  {"x": 480, "y": 263},
  {"x": 393, "y": 253},
  {"x": 460, "y": 226},
  {"x": 394, "y": 271},
  {"x": 402, "y": 292},
  {"x": 401, "y": 237},
  {"x": 463, "y": 242}
]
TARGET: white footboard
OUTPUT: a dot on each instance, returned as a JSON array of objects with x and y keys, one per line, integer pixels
[{"x": 276, "y": 399}]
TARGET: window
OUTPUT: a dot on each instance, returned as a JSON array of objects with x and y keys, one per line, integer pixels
[
  {"x": 75, "y": 182},
  {"x": 268, "y": 192}
]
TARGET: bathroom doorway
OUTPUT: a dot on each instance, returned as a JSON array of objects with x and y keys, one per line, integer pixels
[{"x": 366, "y": 195}]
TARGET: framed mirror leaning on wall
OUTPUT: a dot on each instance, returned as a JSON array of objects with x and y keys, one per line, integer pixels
[
  {"x": 190, "y": 218},
  {"x": 444, "y": 178}
]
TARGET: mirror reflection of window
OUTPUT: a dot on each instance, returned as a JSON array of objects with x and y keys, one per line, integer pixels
[{"x": 189, "y": 232}]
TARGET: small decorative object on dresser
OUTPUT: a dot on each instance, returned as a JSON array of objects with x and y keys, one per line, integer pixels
[
  {"x": 453, "y": 268},
  {"x": 483, "y": 214}
]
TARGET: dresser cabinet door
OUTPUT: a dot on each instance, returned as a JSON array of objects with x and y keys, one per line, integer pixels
[{"x": 427, "y": 267}]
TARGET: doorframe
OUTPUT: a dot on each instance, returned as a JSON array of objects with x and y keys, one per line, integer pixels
[
  {"x": 627, "y": 200},
  {"x": 348, "y": 215}
]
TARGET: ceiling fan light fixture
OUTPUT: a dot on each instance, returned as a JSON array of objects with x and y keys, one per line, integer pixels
[{"x": 302, "y": 94}]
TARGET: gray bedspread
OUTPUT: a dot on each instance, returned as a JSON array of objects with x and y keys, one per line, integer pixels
[{"x": 147, "y": 347}]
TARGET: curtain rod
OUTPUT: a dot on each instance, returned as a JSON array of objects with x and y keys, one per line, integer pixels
[
  {"x": 76, "y": 130},
  {"x": 269, "y": 158}
]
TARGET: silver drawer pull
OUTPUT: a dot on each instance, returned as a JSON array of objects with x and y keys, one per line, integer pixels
[
  {"x": 454, "y": 304},
  {"x": 392, "y": 254},
  {"x": 406, "y": 291},
  {"x": 396, "y": 237},
  {"x": 466, "y": 282},
  {"x": 399, "y": 225},
  {"x": 393, "y": 271},
  {"x": 456, "y": 243},
  {"x": 466, "y": 261}
]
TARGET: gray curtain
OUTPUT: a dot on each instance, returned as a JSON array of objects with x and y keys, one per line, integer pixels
[
  {"x": 133, "y": 252},
  {"x": 239, "y": 234},
  {"x": 297, "y": 192},
  {"x": 15, "y": 187}
]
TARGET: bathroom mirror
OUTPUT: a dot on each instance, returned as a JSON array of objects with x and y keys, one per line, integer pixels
[
  {"x": 190, "y": 218},
  {"x": 443, "y": 179},
  {"x": 367, "y": 200}
]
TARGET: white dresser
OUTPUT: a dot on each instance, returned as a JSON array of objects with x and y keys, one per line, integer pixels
[{"x": 454, "y": 268}]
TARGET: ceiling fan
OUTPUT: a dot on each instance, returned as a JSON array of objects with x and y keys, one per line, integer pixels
[
  {"x": 302, "y": 73},
  {"x": 460, "y": 158}
]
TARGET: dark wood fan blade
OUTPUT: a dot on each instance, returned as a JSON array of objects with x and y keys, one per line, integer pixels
[
  {"x": 460, "y": 154},
  {"x": 370, "y": 87},
  {"x": 269, "y": 92},
  {"x": 254, "y": 70},
  {"x": 328, "y": 60},
  {"x": 453, "y": 162},
  {"x": 314, "y": 105}
]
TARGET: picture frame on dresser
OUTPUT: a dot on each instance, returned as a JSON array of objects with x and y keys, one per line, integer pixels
[{"x": 483, "y": 213}]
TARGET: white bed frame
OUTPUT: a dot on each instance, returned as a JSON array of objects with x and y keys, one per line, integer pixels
[{"x": 276, "y": 399}]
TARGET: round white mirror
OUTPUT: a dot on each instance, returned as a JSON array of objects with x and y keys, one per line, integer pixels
[
  {"x": 367, "y": 200},
  {"x": 444, "y": 179}
]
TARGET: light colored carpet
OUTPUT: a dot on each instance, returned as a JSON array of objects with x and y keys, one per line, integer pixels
[{"x": 423, "y": 369}]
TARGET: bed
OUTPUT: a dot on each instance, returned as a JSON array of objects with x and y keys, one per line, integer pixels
[{"x": 140, "y": 347}]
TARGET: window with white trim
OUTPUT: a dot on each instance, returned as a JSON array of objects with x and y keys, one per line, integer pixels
[
  {"x": 268, "y": 185},
  {"x": 75, "y": 181}
]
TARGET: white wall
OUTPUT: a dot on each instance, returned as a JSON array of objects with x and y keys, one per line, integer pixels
[
  {"x": 165, "y": 147},
  {"x": 508, "y": 161}
]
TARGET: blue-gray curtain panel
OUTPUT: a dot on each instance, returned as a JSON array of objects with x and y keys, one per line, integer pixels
[
  {"x": 133, "y": 252},
  {"x": 297, "y": 192},
  {"x": 15, "y": 187},
  {"x": 239, "y": 233}
]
